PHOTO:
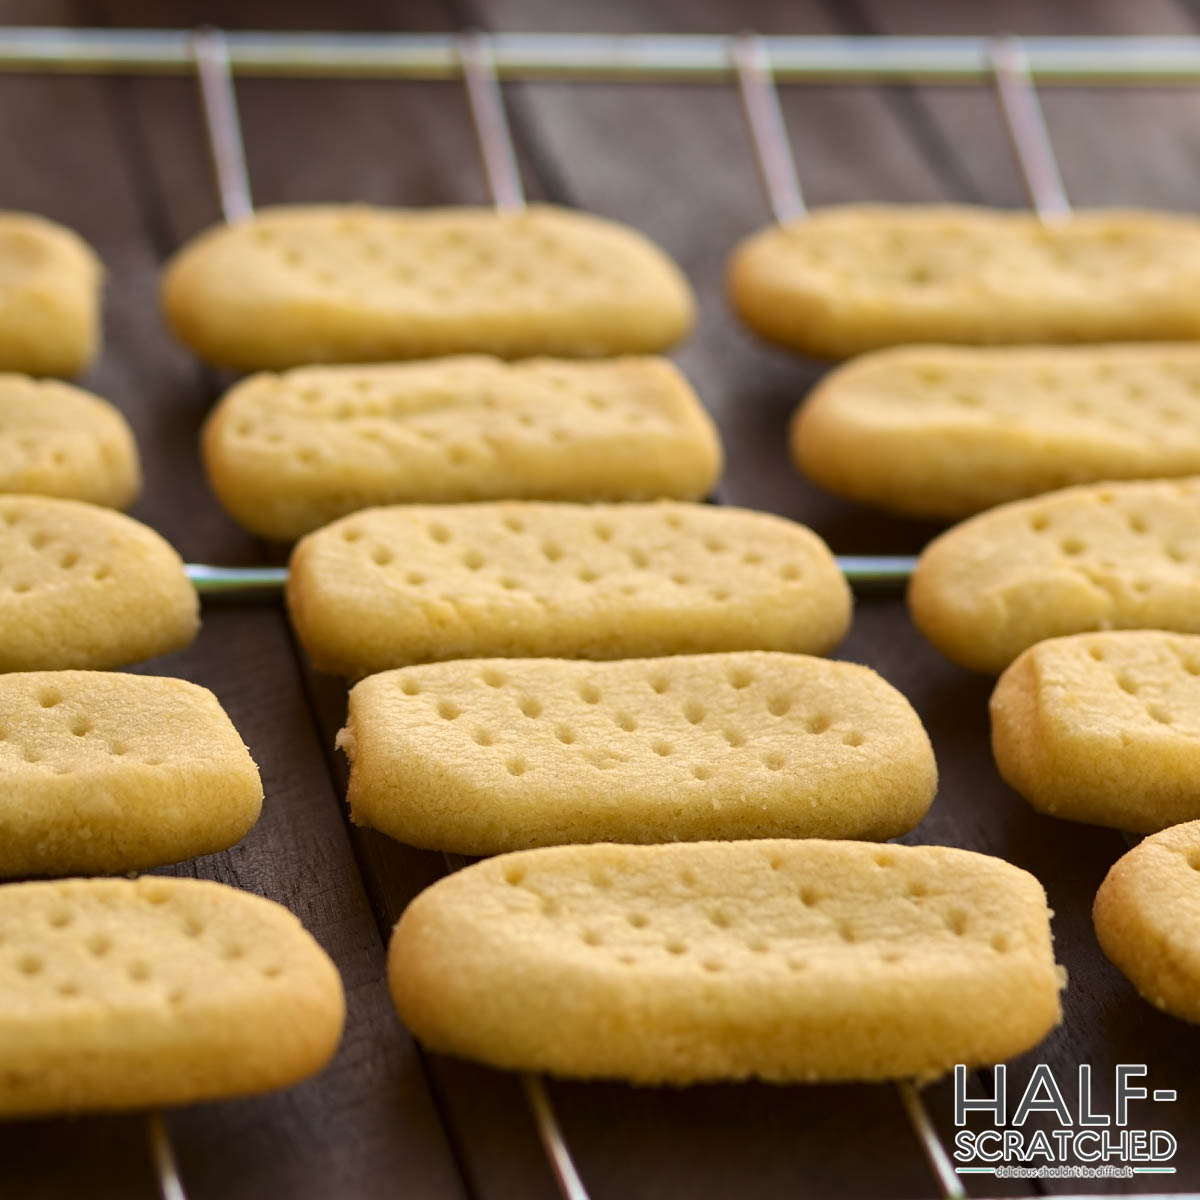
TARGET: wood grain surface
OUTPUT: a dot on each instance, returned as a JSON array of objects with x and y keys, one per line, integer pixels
[{"x": 124, "y": 162}]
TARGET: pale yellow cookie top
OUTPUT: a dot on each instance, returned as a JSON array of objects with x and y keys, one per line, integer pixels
[
  {"x": 81, "y": 950},
  {"x": 685, "y": 717},
  {"x": 947, "y": 250},
  {"x": 83, "y": 586},
  {"x": 721, "y": 960},
  {"x": 480, "y": 756},
  {"x": 1139, "y": 394},
  {"x": 526, "y": 578},
  {"x": 59, "y": 440},
  {"x": 656, "y": 550},
  {"x": 1094, "y": 557},
  {"x": 1103, "y": 728},
  {"x": 848, "y": 279},
  {"x": 1147, "y": 917},
  {"x": 93, "y": 722},
  {"x": 1142, "y": 683},
  {"x": 947, "y": 431},
  {"x": 49, "y": 297},
  {"x": 33, "y": 248},
  {"x": 750, "y": 908},
  {"x": 288, "y": 453},
  {"x": 354, "y": 283}
]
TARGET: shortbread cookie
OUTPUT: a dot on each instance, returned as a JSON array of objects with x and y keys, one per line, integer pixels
[
  {"x": 937, "y": 431},
  {"x": 104, "y": 773},
  {"x": 479, "y": 757},
  {"x": 57, "y": 440},
  {"x": 1104, "y": 728},
  {"x": 1147, "y": 917},
  {"x": 1110, "y": 556},
  {"x": 355, "y": 284},
  {"x": 119, "y": 994},
  {"x": 848, "y": 279},
  {"x": 289, "y": 453},
  {"x": 781, "y": 960},
  {"x": 49, "y": 297},
  {"x": 392, "y": 586},
  {"x": 82, "y": 586}
]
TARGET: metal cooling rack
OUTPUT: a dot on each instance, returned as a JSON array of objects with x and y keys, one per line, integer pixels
[{"x": 481, "y": 61}]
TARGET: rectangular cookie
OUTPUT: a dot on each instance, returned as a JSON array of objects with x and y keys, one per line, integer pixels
[
  {"x": 105, "y": 772},
  {"x": 939, "y": 431},
  {"x": 289, "y": 453},
  {"x": 479, "y": 757},
  {"x": 86, "y": 587},
  {"x": 58, "y": 440},
  {"x": 848, "y": 279},
  {"x": 388, "y": 587},
  {"x": 778, "y": 960},
  {"x": 1104, "y": 728},
  {"x": 1095, "y": 557},
  {"x": 350, "y": 283},
  {"x": 1147, "y": 918},
  {"x": 49, "y": 297},
  {"x": 120, "y": 994}
]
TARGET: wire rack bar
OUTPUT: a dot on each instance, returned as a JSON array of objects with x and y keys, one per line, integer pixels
[
  {"x": 864, "y": 570},
  {"x": 614, "y": 57},
  {"x": 492, "y": 134},
  {"x": 767, "y": 128},
  {"x": 219, "y": 101},
  {"x": 216, "y": 581},
  {"x": 931, "y": 1145},
  {"x": 170, "y": 1186},
  {"x": 1027, "y": 130},
  {"x": 566, "y": 1176}
]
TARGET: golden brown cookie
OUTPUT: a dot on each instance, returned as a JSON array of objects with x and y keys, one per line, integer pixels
[
  {"x": 131, "y": 994},
  {"x": 1084, "y": 559},
  {"x": 288, "y": 453},
  {"x": 1147, "y": 917},
  {"x": 786, "y": 961},
  {"x": 348, "y": 283},
  {"x": 103, "y": 772},
  {"x": 82, "y": 586},
  {"x": 482, "y": 756}
]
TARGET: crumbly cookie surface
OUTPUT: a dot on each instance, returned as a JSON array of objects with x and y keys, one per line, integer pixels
[
  {"x": 288, "y": 453},
  {"x": 782, "y": 960},
  {"x": 483, "y": 756}
]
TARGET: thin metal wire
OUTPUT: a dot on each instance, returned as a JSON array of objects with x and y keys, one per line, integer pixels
[
  {"x": 221, "y": 125},
  {"x": 931, "y": 1145},
  {"x": 553, "y": 1142},
  {"x": 768, "y": 130},
  {"x": 491, "y": 126},
  {"x": 868, "y": 570},
  {"x": 210, "y": 581},
  {"x": 1026, "y": 126},
  {"x": 865, "y": 570},
  {"x": 170, "y": 1186},
  {"x": 667, "y": 58}
]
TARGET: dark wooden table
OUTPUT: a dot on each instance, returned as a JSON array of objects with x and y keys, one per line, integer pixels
[{"x": 124, "y": 162}]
